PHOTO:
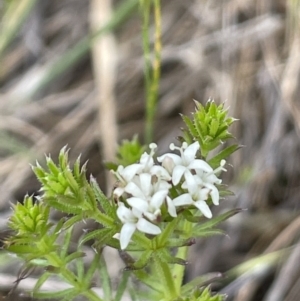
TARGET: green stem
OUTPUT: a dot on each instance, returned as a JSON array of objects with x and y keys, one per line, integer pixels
[
  {"x": 163, "y": 271},
  {"x": 91, "y": 296},
  {"x": 70, "y": 277},
  {"x": 182, "y": 253},
  {"x": 146, "y": 45},
  {"x": 152, "y": 78},
  {"x": 55, "y": 260}
]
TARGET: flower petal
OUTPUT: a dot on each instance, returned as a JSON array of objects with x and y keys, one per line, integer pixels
[
  {"x": 124, "y": 214},
  {"x": 126, "y": 234},
  {"x": 171, "y": 207},
  {"x": 200, "y": 164},
  {"x": 203, "y": 207},
  {"x": 190, "y": 152},
  {"x": 158, "y": 198},
  {"x": 178, "y": 173},
  {"x": 138, "y": 203},
  {"x": 176, "y": 159},
  {"x": 160, "y": 172},
  {"x": 135, "y": 190},
  {"x": 152, "y": 216},
  {"x": 118, "y": 192},
  {"x": 191, "y": 182},
  {"x": 145, "y": 226},
  {"x": 214, "y": 193},
  {"x": 184, "y": 199},
  {"x": 130, "y": 171},
  {"x": 146, "y": 185}
]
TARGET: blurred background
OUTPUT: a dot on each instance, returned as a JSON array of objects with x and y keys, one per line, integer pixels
[{"x": 58, "y": 88}]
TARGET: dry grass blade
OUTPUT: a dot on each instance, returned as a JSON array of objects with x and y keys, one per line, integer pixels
[
  {"x": 104, "y": 57},
  {"x": 243, "y": 52}
]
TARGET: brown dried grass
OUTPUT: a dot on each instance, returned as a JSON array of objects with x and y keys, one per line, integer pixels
[{"x": 244, "y": 53}]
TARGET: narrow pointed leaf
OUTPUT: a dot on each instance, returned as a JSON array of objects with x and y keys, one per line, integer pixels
[
  {"x": 189, "y": 125},
  {"x": 102, "y": 199},
  {"x": 54, "y": 295},
  {"x": 66, "y": 243},
  {"x": 215, "y": 161},
  {"x": 42, "y": 279},
  {"x": 122, "y": 286},
  {"x": 105, "y": 279},
  {"x": 72, "y": 221},
  {"x": 163, "y": 237},
  {"x": 91, "y": 271},
  {"x": 199, "y": 282},
  {"x": 141, "y": 262},
  {"x": 102, "y": 234},
  {"x": 216, "y": 220},
  {"x": 207, "y": 233},
  {"x": 73, "y": 256}
]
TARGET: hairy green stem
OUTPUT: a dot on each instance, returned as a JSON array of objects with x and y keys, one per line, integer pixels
[
  {"x": 163, "y": 271},
  {"x": 178, "y": 270}
]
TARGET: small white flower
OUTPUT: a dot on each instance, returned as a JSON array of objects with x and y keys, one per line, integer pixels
[
  {"x": 146, "y": 160},
  {"x": 208, "y": 180},
  {"x": 132, "y": 220},
  {"x": 183, "y": 164},
  {"x": 198, "y": 200},
  {"x": 148, "y": 166},
  {"x": 147, "y": 197},
  {"x": 125, "y": 175},
  {"x": 199, "y": 187}
]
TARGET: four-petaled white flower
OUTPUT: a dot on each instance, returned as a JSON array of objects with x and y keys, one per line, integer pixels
[
  {"x": 183, "y": 165},
  {"x": 125, "y": 175},
  {"x": 196, "y": 196},
  {"x": 133, "y": 219}
]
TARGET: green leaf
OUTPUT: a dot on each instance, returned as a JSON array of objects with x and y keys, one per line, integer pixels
[
  {"x": 207, "y": 233},
  {"x": 55, "y": 295},
  {"x": 72, "y": 221},
  {"x": 104, "y": 202},
  {"x": 218, "y": 219},
  {"x": 59, "y": 204},
  {"x": 190, "y": 125},
  {"x": 122, "y": 286},
  {"x": 80, "y": 269},
  {"x": 22, "y": 249},
  {"x": 75, "y": 255},
  {"x": 142, "y": 261},
  {"x": 111, "y": 166},
  {"x": 66, "y": 243},
  {"x": 166, "y": 257},
  {"x": 166, "y": 233},
  {"x": 42, "y": 279},
  {"x": 105, "y": 279},
  {"x": 215, "y": 161},
  {"x": 130, "y": 152},
  {"x": 91, "y": 271},
  {"x": 102, "y": 236},
  {"x": 214, "y": 126},
  {"x": 199, "y": 281}
]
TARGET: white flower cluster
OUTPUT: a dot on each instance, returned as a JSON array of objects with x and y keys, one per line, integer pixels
[{"x": 146, "y": 186}]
